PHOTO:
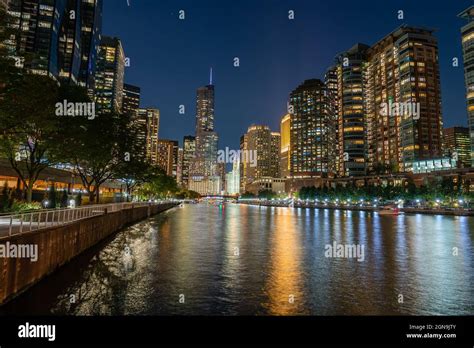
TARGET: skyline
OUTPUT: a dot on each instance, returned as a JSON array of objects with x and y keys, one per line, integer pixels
[{"x": 262, "y": 100}]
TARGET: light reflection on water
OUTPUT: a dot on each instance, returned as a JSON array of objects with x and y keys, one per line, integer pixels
[{"x": 241, "y": 260}]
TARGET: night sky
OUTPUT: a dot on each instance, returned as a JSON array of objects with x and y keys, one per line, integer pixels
[{"x": 171, "y": 58}]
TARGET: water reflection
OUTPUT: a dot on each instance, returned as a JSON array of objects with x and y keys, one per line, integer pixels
[{"x": 242, "y": 260}]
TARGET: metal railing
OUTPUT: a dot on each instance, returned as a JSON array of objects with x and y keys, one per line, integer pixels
[{"x": 15, "y": 224}]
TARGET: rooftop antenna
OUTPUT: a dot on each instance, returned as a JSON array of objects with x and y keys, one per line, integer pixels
[{"x": 210, "y": 78}]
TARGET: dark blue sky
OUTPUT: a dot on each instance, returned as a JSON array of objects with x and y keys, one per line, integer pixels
[{"x": 170, "y": 58}]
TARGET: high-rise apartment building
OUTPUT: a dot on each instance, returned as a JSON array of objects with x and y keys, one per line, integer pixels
[
  {"x": 312, "y": 131},
  {"x": 403, "y": 100},
  {"x": 232, "y": 182},
  {"x": 331, "y": 79},
  {"x": 131, "y": 99},
  {"x": 457, "y": 145},
  {"x": 345, "y": 82},
  {"x": 109, "y": 75},
  {"x": 243, "y": 164},
  {"x": 285, "y": 154},
  {"x": 149, "y": 120},
  {"x": 91, "y": 30},
  {"x": 57, "y": 38},
  {"x": 168, "y": 156},
  {"x": 262, "y": 154},
  {"x": 179, "y": 172},
  {"x": 467, "y": 34},
  {"x": 189, "y": 150}
]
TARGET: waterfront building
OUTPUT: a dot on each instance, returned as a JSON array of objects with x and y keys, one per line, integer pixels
[
  {"x": 285, "y": 154},
  {"x": 264, "y": 148},
  {"x": 403, "y": 101},
  {"x": 168, "y": 156},
  {"x": 345, "y": 82},
  {"x": 312, "y": 136},
  {"x": 109, "y": 75},
  {"x": 179, "y": 171},
  {"x": 467, "y": 35},
  {"x": 457, "y": 145},
  {"x": 51, "y": 42},
  {"x": 232, "y": 182},
  {"x": 91, "y": 31},
  {"x": 131, "y": 99},
  {"x": 189, "y": 149},
  {"x": 275, "y": 185},
  {"x": 149, "y": 119},
  {"x": 204, "y": 169}
]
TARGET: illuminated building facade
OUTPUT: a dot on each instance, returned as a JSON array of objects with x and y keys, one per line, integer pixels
[
  {"x": 346, "y": 83},
  {"x": 467, "y": 34},
  {"x": 264, "y": 147},
  {"x": 403, "y": 71},
  {"x": 131, "y": 99},
  {"x": 189, "y": 150},
  {"x": 204, "y": 174},
  {"x": 149, "y": 120},
  {"x": 109, "y": 75},
  {"x": 312, "y": 131},
  {"x": 457, "y": 145},
  {"x": 58, "y": 38},
  {"x": 168, "y": 156},
  {"x": 285, "y": 154}
]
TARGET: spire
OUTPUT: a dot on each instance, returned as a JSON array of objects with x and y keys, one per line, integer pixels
[{"x": 210, "y": 78}]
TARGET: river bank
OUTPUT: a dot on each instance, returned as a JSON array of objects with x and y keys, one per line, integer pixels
[{"x": 332, "y": 206}]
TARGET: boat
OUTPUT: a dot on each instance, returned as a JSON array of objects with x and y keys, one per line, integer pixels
[{"x": 389, "y": 210}]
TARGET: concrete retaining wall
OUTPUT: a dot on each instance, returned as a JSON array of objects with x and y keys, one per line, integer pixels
[{"x": 58, "y": 245}]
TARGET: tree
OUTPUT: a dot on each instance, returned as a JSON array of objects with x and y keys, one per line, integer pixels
[
  {"x": 159, "y": 186},
  {"x": 5, "y": 199},
  {"x": 29, "y": 127},
  {"x": 96, "y": 147},
  {"x": 136, "y": 169}
]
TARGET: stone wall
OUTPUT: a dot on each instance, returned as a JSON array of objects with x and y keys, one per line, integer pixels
[{"x": 58, "y": 245}]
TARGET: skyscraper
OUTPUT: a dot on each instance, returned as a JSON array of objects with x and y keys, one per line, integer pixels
[
  {"x": 206, "y": 139},
  {"x": 204, "y": 174},
  {"x": 189, "y": 149},
  {"x": 232, "y": 182},
  {"x": 131, "y": 99},
  {"x": 57, "y": 38},
  {"x": 109, "y": 75},
  {"x": 457, "y": 145},
  {"x": 168, "y": 156},
  {"x": 402, "y": 75},
  {"x": 243, "y": 164},
  {"x": 91, "y": 30},
  {"x": 331, "y": 79},
  {"x": 285, "y": 154},
  {"x": 467, "y": 33},
  {"x": 149, "y": 119},
  {"x": 179, "y": 171},
  {"x": 263, "y": 146},
  {"x": 345, "y": 81},
  {"x": 312, "y": 132}
]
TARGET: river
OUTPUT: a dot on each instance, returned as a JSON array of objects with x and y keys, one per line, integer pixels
[{"x": 202, "y": 259}]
